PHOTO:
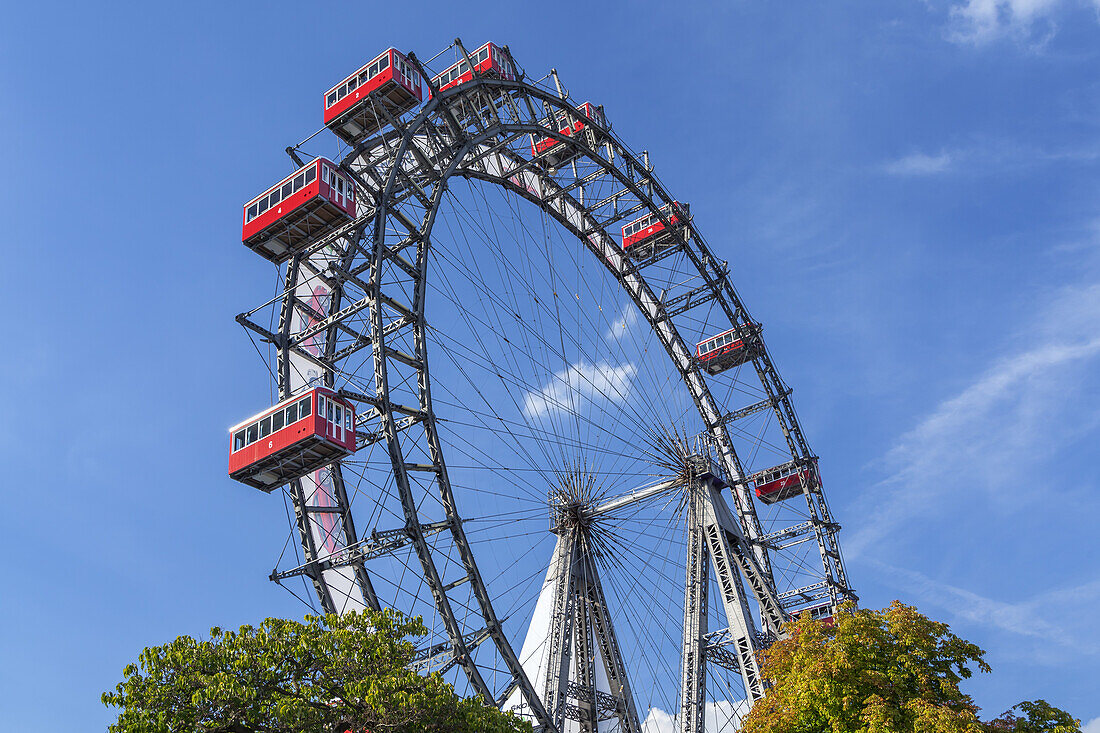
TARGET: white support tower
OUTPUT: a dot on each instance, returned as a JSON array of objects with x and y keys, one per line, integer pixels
[
  {"x": 712, "y": 530},
  {"x": 571, "y": 654}
]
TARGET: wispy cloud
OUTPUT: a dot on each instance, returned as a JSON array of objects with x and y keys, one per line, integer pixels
[
  {"x": 919, "y": 164},
  {"x": 1047, "y": 628},
  {"x": 1032, "y": 22},
  {"x": 988, "y": 156},
  {"x": 1048, "y": 616},
  {"x": 569, "y": 389},
  {"x": 721, "y": 716},
  {"x": 628, "y": 316},
  {"x": 993, "y": 433}
]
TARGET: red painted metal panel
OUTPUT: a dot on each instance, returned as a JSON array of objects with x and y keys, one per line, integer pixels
[
  {"x": 546, "y": 143},
  {"x": 250, "y": 229},
  {"x": 254, "y": 228},
  {"x": 376, "y": 82},
  {"x": 289, "y": 435},
  {"x": 772, "y": 487},
  {"x": 720, "y": 351},
  {"x": 491, "y": 66},
  {"x": 654, "y": 229},
  {"x": 787, "y": 486},
  {"x": 822, "y": 613}
]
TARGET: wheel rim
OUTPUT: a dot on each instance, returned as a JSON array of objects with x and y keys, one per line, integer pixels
[{"x": 363, "y": 290}]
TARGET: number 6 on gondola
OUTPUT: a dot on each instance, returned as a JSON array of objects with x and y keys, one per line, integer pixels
[{"x": 304, "y": 433}]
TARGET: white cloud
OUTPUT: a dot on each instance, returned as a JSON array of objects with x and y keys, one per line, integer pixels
[
  {"x": 581, "y": 382},
  {"x": 1093, "y": 726},
  {"x": 984, "y": 156},
  {"x": 1060, "y": 617},
  {"x": 992, "y": 434},
  {"x": 920, "y": 164},
  {"x": 628, "y": 316},
  {"x": 1032, "y": 21},
  {"x": 658, "y": 721},
  {"x": 722, "y": 716}
]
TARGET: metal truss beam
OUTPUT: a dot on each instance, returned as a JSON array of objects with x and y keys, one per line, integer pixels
[
  {"x": 377, "y": 436},
  {"x": 374, "y": 546},
  {"x": 744, "y": 412},
  {"x": 610, "y": 652},
  {"x": 561, "y": 621},
  {"x": 584, "y": 669},
  {"x": 725, "y": 537},
  {"x": 805, "y": 590},
  {"x": 693, "y": 667},
  {"x": 796, "y": 530},
  {"x": 686, "y": 301},
  {"x": 633, "y": 497},
  {"x": 605, "y": 706},
  {"x": 442, "y": 656},
  {"x": 404, "y": 173},
  {"x": 734, "y": 601}
]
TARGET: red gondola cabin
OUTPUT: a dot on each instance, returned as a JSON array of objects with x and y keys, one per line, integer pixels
[
  {"x": 293, "y": 213},
  {"x": 783, "y": 482},
  {"x": 555, "y": 151},
  {"x": 822, "y": 612},
  {"x": 728, "y": 349},
  {"x": 647, "y": 234},
  {"x": 389, "y": 79},
  {"x": 287, "y": 441},
  {"x": 490, "y": 60}
]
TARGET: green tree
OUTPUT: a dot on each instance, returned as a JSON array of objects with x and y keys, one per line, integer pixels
[
  {"x": 1039, "y": 717},
  {"x": 328, "y": 674},
  {"x": 875, "y": 671},
  {"x": 888, "y": 671}
]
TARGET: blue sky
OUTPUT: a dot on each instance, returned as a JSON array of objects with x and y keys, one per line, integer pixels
[{"x": 907, "y": 193}]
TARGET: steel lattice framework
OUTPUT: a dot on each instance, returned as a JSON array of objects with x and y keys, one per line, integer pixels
[{"x": 362, "y": 289}]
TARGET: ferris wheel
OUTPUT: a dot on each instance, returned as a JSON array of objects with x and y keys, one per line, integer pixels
[{"x": 520, "y": 397}]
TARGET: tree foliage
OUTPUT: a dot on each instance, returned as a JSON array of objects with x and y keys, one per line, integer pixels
[
  {"x": 1039, "y": 717},
  {"x": 893, "y": 670},
  {"x": 330, "y": 673},
  {"x": 874, "y": 671}
]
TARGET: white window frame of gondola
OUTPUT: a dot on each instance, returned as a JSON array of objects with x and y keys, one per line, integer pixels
[
  {"x": 278, "y": 186},
  {"x": 345, "y": 85},
  {"x": 410, "y": 77}
]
